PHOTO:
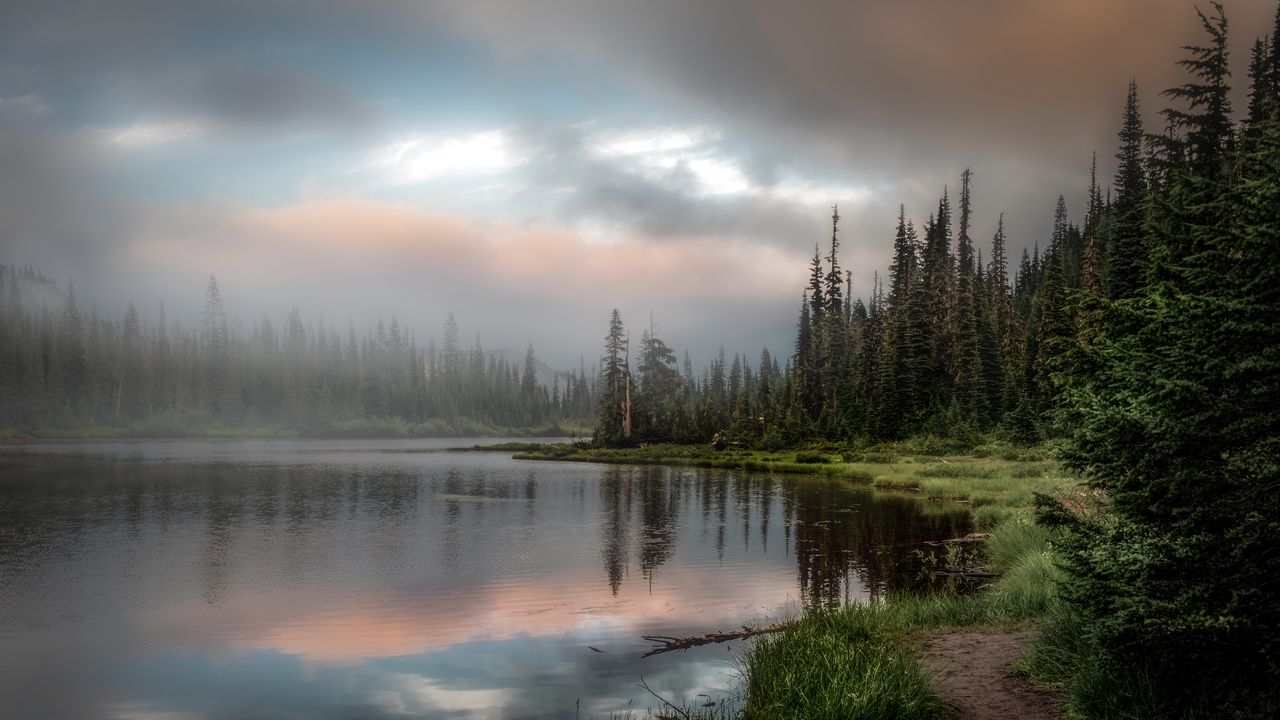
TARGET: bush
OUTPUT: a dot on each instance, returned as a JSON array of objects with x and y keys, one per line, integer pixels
[{"x": 810, "y": 457}]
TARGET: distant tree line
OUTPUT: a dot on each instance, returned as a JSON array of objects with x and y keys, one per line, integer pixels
[
  {"x": 947, "y": 345},
  {"x": 63, "y": 368}
]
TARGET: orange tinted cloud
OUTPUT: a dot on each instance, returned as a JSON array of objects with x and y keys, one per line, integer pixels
[{"x": 348, "y": 239}]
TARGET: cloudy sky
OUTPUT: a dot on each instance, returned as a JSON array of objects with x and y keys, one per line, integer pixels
[{"x": 529, "y": 166}]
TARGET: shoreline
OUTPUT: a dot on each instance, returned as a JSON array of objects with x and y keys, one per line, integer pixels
[{"x": 878, "y": 647}]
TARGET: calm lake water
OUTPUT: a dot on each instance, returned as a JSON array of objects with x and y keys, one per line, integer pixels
[{"x": 380, "y": 579}]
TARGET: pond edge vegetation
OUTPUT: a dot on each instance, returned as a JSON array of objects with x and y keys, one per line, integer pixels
[{"x": 861, "y": 660}]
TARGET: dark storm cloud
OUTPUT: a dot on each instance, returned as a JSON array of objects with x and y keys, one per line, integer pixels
[
  {"x": 209, "y": 62},
  {"x": 907, "y": 92},
  {"x": 250, "y": 101},
  {"x": 891, "y": 87},
  {"x": 896, "y": 82}
]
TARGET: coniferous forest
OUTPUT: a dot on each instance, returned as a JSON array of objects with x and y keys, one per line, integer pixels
[
  {"x": 959, "y": 338},
  {"x": 62, "y": 368},
  {"x": 1137, "y": 342},
  {"x": 1145, "y": 335}
]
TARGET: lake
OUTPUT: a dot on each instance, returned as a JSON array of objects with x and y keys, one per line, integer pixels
[{"x": 380, "y": 579}]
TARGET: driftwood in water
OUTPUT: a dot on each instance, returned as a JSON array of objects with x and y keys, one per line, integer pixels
[
  {"x": 970, "y": 538},
  {"x": 664, "y": 643}
]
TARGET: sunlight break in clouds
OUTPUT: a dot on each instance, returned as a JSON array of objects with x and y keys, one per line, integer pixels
[
  {"x": 666, "y": 155},
  {"x": 648, "y": 142},
  {"x": 419, "y": 158}
]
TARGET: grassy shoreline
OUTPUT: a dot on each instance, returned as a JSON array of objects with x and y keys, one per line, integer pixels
[
  {"x": 996, "y": 480},
  {"x": 861, "y": 660}
]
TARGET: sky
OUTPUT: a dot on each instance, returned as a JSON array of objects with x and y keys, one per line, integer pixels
[{"x": 530, "y": 166}]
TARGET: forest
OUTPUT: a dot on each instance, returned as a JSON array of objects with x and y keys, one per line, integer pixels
[
  {"x": 952, "y": 343},
  {"x": 1140, "y": 340},
  {"x": 65, "y": 370},
  {"x": 1145, "y": 340}
]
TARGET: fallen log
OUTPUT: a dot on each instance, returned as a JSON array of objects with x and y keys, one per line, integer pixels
[
  {"x": 970, "y": 538},
  {"x": 666, "y": 643}
]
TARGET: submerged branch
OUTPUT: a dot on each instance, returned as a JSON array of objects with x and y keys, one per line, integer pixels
[
  {"x": 666, "y": 643},
  {"x": 970, "y": 538}
]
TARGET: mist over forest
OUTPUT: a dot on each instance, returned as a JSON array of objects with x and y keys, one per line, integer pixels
[{"x": 913, "y": 360}]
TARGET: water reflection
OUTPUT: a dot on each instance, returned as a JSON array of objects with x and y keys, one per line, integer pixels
[{"x": 274, "y": 582}]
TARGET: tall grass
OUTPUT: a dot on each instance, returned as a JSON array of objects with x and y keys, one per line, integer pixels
[
  {"x": 859, "y": 662},
  {"x": 836, "y": 665}
]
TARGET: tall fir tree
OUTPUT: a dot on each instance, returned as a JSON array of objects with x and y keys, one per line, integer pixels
[
  {"x": 1175, "y": 423},
  {"x": 1127, "y": 256}
]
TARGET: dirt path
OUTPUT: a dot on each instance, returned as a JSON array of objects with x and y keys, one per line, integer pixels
[{"x": 974, "y": 674}]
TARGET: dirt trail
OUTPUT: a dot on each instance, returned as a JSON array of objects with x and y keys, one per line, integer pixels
[{"x": 974, "y": 674}]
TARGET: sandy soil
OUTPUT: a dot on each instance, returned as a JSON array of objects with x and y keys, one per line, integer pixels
[{"x": 973, "y": 673}]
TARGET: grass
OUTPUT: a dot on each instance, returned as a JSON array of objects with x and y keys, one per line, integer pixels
[
  {"x": 803, "y": 461},
  {"x": 860, "y": 660},
  {"x": 836, "y": 665},
  {"x": 995, "y": 474}
]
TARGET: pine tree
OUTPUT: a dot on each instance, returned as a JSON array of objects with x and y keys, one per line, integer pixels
[
  {"x": 964, "y": 327},
  {"x": 903, "y": 265},
  {"x": 1052, "y": 320},
  {"x": 835, "y": 349},
  {"x": 938, "y": 276},
  {"x": 1205, "y": 127},
  {"x": 834, "y": 278},
  {"x": 614, "y": 424},
  {"x": 1004, "y": 317},
  {"x": 1184, "y": 232},
  {"x": 1176, "y": 424},
  {"x": 1261, "y": 98},
  {"x": 1127, "y": 257}
]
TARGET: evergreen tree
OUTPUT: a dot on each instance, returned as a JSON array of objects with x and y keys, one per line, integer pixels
[
  {"x": 964, "y": 328},
  {"x": 1052, "y": 318},
  {"x": 658, "y": 397},
  {"x": 1176, "y": 424},
  {"x": 1206, "y": 134},
  {"x": 938, "y": 276},
  {"x": 614, "y": 424},
  {"x": 903, "y": 265},
  {"x": 1004, "y": 317},
  {"x": 834, "y": 346},
  {"x": 1127, "y": 258}
]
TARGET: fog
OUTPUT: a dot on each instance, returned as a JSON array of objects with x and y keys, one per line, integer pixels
[{"x": 530, "y": 169}]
